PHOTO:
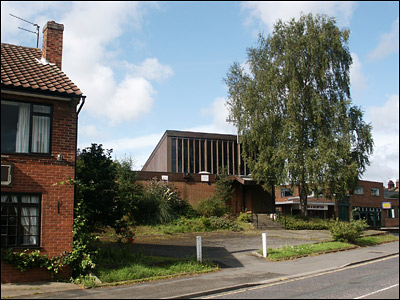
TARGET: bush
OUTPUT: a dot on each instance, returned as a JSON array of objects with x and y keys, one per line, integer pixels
[
  {"x": 244, "y": 217},
  {"x": 160, "y": 204},
  {"x": 304, "y": 223},
  {"x": 211, "y": 206},
  {"x": 347, "y": 231}
]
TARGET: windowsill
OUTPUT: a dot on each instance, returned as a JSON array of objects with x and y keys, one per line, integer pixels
[
  {"x": 23, "y": 247},
  {"x": 7, "y": 155}
]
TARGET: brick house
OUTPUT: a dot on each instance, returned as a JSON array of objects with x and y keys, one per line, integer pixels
[
  {"x": 367, "y": 202},
  {"x": 39, "y": 114}
]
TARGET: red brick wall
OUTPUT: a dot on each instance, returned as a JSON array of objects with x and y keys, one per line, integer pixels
[
  {"x": 39, "y": 174},
  {"x": 367, "y": 199},
  {"x": 191, "y": 189}
]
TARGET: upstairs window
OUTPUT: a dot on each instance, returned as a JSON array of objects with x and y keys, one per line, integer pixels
[
  {"x": 286, "y": 192},
  {"x": 374, "y": 192},
  {"x": 359, "y": 190},
  {"x": 25, "y": 127}
]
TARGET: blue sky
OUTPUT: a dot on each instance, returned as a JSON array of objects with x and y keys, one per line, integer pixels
[{"x": 147, "y": 67}]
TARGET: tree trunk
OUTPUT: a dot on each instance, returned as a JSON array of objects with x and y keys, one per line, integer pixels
[{"x": 303, "y": 199}]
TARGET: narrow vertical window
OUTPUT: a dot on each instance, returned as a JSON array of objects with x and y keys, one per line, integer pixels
[{"x": 173, "y": 155}]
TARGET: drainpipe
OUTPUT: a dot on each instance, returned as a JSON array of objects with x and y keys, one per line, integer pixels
[
  {"x": 79, "y": 109},
  {"x": 83, "y": 98}
]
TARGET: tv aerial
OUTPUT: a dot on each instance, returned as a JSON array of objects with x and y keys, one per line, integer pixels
[{"x": 37, "y": 29}]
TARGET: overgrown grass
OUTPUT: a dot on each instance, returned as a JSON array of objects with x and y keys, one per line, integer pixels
[
  {"x": 293, "y": 252},
  {"x": 117, "y": 263},
  {"x": 304, "y": 223},
  {"x": 200, "y": 224}
]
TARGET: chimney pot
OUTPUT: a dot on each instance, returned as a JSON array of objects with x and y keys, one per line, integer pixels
[{"x": 53, "y": 42}]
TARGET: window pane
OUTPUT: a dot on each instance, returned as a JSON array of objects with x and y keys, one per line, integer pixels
[
  {"x": 20, "y": 222},
  {"x": 30, "y": 199},
  {"x": 41, "y": 134},
  {"x": 9, "y": 123},
  {"x": 179, "y": 155},
  {"x": 185, "y": 156},
  {"x": 41, "y": 109},
  {"x": 173, "y": 155}
]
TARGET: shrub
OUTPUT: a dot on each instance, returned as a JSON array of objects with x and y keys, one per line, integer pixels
[
  {"x": 244, "y": 217},
  {"x": 303, "y": 223},
  {"x": 160, "y": 204},
  {"x": 211, "y": 206},
  {"x": 347, "y": 231}
]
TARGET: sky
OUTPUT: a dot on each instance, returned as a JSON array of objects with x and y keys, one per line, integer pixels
[{"x": 147, "y": 67}]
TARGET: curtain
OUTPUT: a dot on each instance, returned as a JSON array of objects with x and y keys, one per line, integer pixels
[
  {"x": 30, "y": 221},
  {"x": 41, "y": 134},
  {"x": 22, "y": 142}
]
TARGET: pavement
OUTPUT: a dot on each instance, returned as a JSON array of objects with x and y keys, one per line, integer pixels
[{"x": 235, "y": 252}]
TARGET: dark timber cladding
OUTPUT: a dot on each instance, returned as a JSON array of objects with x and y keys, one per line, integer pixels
[{"x": 195, "y": 152}]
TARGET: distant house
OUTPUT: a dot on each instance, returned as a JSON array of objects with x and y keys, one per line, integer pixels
[
  {"x": 367, "y": 201},
  {"x": 39, "y": 113}
]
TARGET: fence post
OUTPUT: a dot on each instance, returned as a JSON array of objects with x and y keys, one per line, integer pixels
[
  {"x": 264, "y": 244},
  {"x": 198, "y": 248}
]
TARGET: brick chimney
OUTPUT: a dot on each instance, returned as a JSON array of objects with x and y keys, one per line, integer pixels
[
  {"x": 390, "y": 184},
  {"x": 53, "y": 43},
  {"x": 397, "y": 183}
]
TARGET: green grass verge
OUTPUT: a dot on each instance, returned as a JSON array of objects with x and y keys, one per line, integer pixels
[
  {"x": 293, "y": 252},
  {"x": 118, "y": 263}
]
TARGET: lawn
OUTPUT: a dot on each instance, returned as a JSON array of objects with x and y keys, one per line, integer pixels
[
  {"x": 293, "y": 252},
  {"x": 117, "y": 264}
]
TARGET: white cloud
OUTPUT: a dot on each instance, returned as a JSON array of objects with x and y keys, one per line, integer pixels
[
  {"x": 151, "y": 69},
  {"x": 388, "y": 43},
  {"x": 219, "y": 113},
  {"x": 385, "y": 159},
  {"x": 357, "y": 77},
  {"x": 385, "y": 119},
  {"x": 89, "y": 56},
  {"x": 268, "y": 12},
  {"x": 132, "y": 99},
  {"x": 141, "y": 146}
]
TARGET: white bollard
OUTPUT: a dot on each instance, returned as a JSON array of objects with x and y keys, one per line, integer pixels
[
  {"x": 198, "y": 248},
  {"x": 264, "y": 244}
]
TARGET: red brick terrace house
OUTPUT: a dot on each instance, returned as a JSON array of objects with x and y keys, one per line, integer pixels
[
  {"x": 39, "y": 113},
  {"x": 367, "y": 202}
]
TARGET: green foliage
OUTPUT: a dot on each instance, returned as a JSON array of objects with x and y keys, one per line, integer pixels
[
  {"x": 224, "y": 223},
  {"x": 244, "y": 217},
  {"x": 122, "y": 264},
  {"x": 223, "y": 186},
  {"x": 211, "y": 206},
  {"x": 216, "y": 205},
  {"x": 293, "y": 109},
  {"x": 82, "y": 257},
  {"x": 129, "y": 191},
  {"x": 292, "y": 252},
  {"x": 347, "y": 231},
  {"x": 159, "y": 204},
  {"x": 304, "y": 223},
  {"x": 96, "y": 173}
]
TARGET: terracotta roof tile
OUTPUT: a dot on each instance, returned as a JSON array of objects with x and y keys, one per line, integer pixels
[{"x": 22, "y": 66}]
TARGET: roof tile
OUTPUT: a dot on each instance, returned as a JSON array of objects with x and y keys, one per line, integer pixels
[{"x": 20, "y": 66}]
